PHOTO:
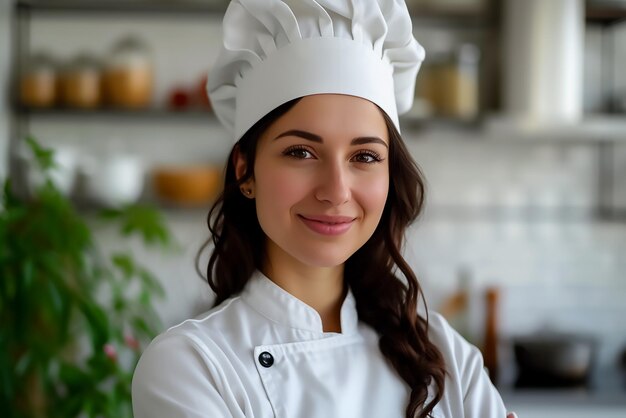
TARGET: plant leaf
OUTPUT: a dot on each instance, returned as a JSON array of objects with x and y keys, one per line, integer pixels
[
  {"x": 124, "y": 263},
  {"x": 43, "y": 156}
]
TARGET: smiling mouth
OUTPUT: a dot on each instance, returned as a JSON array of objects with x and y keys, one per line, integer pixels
[{"x": 328, "y": 225}]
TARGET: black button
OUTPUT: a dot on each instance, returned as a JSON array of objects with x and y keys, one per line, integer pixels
[{"x": 266, "y": 359}]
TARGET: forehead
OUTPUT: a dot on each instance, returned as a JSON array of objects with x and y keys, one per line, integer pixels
[{"x": 333, "y": 115}]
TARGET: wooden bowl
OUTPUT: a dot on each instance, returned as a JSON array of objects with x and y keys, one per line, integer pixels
[{"x": 187, "y": 185}]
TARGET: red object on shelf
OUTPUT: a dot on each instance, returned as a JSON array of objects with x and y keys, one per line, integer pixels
[{"x": 179, "y": 99}]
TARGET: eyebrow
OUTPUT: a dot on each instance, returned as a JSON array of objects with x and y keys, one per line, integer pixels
[{"x": 316, "y": 138}]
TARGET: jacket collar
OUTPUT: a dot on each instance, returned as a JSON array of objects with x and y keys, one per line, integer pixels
[{"x": 280, "y": 306}]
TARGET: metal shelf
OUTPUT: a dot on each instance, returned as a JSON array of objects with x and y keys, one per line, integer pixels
[
  {"x": 452, "y": 18},
  {"x": 425, "y": 123},
  {"x": 606, "y": 15},
  {"x": 169, "y": 7},
  {"x": 117, "y": 113},
  {"x": 466, "y": 213},
  {"x": 410, "y": 122},
  {"x": 437, "y": 17},
  {"x": 592, "y": 129}
]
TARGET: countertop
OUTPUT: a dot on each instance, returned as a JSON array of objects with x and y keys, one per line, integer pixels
[
  {"x": 604, "y": 398},
  {"x": 560, "y": 397}
]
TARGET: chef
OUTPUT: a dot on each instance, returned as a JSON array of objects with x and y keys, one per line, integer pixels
[{"x": 317, "y": 314}]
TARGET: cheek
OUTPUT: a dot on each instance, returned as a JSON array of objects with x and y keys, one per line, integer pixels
[
  {"x": 373, "y": 194},
  {"x": 276, "y": 190}
]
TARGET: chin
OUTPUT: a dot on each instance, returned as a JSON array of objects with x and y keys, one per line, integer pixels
[{"x": 323, "y": 259}]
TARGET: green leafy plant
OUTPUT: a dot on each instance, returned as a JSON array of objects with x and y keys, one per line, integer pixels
[{"x": 73, "y": 320}]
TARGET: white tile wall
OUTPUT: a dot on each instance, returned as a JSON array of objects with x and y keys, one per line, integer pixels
[
  {"x": 619, "y": 196},
  {"x": 567, "y": 275}
]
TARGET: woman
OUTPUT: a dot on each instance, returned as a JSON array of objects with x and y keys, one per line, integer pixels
[{"x": 316, "y": 310}]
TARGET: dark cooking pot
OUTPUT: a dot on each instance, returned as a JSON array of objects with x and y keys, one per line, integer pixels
[{"x": 554, "y": 360}]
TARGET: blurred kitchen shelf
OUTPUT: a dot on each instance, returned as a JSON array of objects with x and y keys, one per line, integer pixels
[
  {"x": 606, "y": 12},
  {"x": 419, "y": 123},
  {"x": 409, "y": 122},
  {"x": 452, "y": 18},
  {"x": 112, "y": 113},
  {"x": 456, "y": 19},
  {"x": 170, "y": 210},
  {"x": 169, "y": 7},
  {"x": 467, "y": 213},
  {"x": 192, "y": 214},
  {"x": 592, "y": 129}
]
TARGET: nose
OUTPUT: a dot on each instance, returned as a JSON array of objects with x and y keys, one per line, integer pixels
[{"x": 334, "y": 184}]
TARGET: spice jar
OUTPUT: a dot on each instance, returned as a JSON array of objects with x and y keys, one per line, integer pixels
[
  {"x": 38, "y": 82},
  {"x": 81, "y": 82},
  {"x": 450, "y": 83},
  {"x": 466, "y": 104},
  {"x": 128, "y": 76}
]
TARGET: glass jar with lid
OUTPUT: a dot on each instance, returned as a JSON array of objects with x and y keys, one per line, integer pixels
[
  {"x": 450, "y": 82},
  {"x": 38, "y": 81},
  {"x": 129, "y": 74},
  {"x": 462, "y": 77},
  {"x": 81, "y": 82}
]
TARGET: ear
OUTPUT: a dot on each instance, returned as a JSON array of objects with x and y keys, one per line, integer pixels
[
  {"x": 239, "y": 161},
  {"x": 241, "y": 165}
]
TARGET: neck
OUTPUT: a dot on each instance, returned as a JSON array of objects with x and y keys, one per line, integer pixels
[{"x": 322, "y": 288}]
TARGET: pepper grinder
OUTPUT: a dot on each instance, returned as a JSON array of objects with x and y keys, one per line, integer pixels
[{"x": 490, "y": 348}]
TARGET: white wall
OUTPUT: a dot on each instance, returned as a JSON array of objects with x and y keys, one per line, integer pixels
[{"x": 554, "y": 272}]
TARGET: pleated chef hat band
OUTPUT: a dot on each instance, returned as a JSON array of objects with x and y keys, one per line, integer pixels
[{"x": 275, "y": 51}]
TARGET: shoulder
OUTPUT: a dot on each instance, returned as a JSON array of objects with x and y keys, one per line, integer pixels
[
  {"x": 469, "y": 392},
  {"x": 191, "y": 341},
  {"x": 459, "y": 354},
  {"x": 202, "y": 340},
  {"x": 187, "y": 364},
  {"x": 185, "y": 370},
  {"x": 442, "y": 333},
  {"x": 233, "y": 316}
]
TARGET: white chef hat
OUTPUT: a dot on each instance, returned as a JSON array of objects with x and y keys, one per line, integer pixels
[{"x": 274, "y": 51}]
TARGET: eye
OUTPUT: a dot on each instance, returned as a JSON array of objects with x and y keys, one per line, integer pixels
[
  {"x": 367, "y": 157},
  {"x": 298, "y": 152}
]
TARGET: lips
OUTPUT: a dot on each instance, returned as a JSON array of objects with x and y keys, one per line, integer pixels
[{"x": 328, "y": 225}]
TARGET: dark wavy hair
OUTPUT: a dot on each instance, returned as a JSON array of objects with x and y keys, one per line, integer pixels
[{"x": 386, "y": 302}]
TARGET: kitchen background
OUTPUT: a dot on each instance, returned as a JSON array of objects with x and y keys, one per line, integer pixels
[{"x": 519, "y": 126}]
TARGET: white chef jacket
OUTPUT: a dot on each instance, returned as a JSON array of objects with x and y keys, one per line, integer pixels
[{"x": 263, "y": 353}]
